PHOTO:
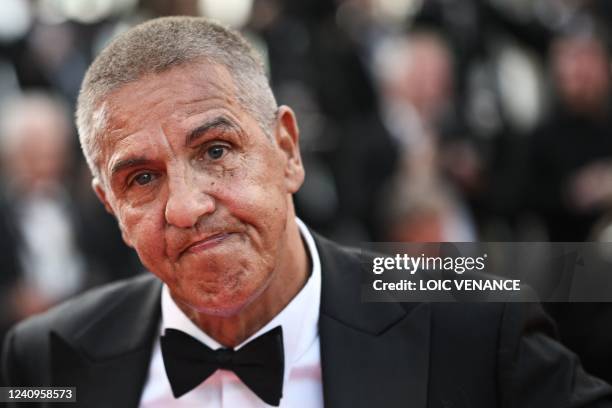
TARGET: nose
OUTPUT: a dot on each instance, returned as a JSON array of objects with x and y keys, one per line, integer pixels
[{"x": 186, "y": 202}]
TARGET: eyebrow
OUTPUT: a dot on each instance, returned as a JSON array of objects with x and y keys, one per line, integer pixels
[
  {"x": 131, "y": 162},
  {"x": 216, "y": 123}
]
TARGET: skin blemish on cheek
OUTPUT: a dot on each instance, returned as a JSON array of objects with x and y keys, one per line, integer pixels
[{"x": 228, "y": 172}]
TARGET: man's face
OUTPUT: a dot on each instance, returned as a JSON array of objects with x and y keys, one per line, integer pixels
[{"x": 199, "y": 190}]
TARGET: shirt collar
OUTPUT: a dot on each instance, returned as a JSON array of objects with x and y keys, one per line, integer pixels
[{"x": 299, "y": 319}]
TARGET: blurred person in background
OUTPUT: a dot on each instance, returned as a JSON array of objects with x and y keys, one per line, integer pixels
[
  {"x": 571, "y": 185},
  {"x": 416, "y": 86},
  {"x": 572, "y": 151},
  {"x": 44, "y": 264}
]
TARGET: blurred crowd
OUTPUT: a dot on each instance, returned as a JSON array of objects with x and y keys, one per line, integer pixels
[{"x": 421, "y": 120}]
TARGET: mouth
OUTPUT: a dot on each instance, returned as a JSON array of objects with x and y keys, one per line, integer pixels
[{"x": 206, "y": 243}]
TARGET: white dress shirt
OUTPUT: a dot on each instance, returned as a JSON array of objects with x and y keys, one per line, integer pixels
[
  {"x": 302, "y": 385},
  {"x": 51, "y": 261}
]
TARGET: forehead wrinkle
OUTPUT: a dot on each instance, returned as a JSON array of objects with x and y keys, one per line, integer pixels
[
  {"x": 219, "y": 86},
  {"x": 194, "y": 106},
  {"x": 218, "y": 74},
  {"x": 166, "y": 142}
]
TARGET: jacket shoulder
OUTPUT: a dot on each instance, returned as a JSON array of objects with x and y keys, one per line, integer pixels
[{"x": 77, "y": 314}]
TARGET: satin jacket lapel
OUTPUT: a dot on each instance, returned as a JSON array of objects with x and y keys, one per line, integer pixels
[
  {"x": 107, "y": 361},
  {"x": 372, "y": 354}
]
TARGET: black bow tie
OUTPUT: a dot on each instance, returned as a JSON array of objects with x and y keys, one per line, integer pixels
[{"x": 260, "y": 364}]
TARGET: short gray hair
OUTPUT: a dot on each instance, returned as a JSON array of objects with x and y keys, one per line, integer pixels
[{"x": 156, "y": 46}]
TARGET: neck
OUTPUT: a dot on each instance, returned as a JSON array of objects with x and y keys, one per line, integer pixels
[{"x": 288, "y": 278}]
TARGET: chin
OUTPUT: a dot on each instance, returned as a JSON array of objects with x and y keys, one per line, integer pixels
[{"x": 222, "y": 304}]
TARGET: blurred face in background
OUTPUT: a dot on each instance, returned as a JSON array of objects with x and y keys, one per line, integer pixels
[
  {"x": 582, "y": 74},
  {"x": 418, "y": 71},
  {"x": 428, "y": 79},
  {"x": 37, "y": 149}
]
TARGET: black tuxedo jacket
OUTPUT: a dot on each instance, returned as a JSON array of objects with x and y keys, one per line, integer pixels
[{"x": 413, "y": 355}]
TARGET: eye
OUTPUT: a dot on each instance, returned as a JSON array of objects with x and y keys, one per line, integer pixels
[
  {"x": 216, "y": 152},
  {"x": 143, "y": 178}
]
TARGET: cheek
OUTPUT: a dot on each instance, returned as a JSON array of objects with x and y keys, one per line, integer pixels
[
  {"x": 145, "y": 233},
  {"x": 260, "y": 202},
  {"x": 257, "y": 187}
]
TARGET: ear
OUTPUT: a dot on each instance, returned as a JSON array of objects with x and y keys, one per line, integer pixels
[
  {"x": 97, "y": 187},
  {"x": 287, "y": 138}
]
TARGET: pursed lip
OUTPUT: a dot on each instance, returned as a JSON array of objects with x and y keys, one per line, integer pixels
[{"x": 206, "y": 243}]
